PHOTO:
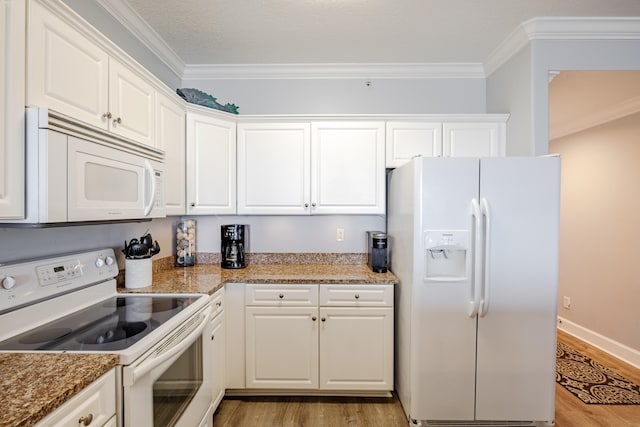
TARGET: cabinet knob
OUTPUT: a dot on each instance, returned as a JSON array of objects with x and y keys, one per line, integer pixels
[
  {"x": 219, "y": 303},
  {"x": 107, "y": 115},
  {"x": 212, "y": 337},
  {"x": 314, "y": 318},
  {"x": 117, "y": 121},
  {"x": 357, "y": 296},
  {"x": 281, "y": 296},
  {"x": 306, "y": 205},
  {"x": 86, "y": 420},
  {"x": 193, "y": 204},
  {"x": 313, "y": 205},
  {"x": 323, "y": 318}
]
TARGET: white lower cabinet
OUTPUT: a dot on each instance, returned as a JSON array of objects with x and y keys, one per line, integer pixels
[
  {"x": 356, "y": 348},
  {"x": 319, "y": 337},
  {"x": 218, "y": 364},
  {"x": 95, "y": 405},
  {"x": 282, "y": 347}
]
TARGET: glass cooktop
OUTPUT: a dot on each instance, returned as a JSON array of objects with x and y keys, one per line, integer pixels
[{"x": 110, "y": 325}]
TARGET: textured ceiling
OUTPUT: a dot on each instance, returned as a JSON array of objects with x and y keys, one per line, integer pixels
[{"x": 351, "y": 31}]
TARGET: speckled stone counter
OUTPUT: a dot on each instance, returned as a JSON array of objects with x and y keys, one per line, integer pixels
[
  {"x": 208, "y": 278},
  {"x": 33, "y": 385}
]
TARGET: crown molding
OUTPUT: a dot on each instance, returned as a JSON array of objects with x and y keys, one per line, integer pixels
[
  {"x": 605, "y": 115},
  {"x": 333, "y": 71},
  {"x": 132, "y": 21},
  {"x": 562, "y": 28}
]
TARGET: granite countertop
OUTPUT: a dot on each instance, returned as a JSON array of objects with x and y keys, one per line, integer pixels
[
  {"x": 34, "y": 384},
  {"x": 208, "y": 278}
]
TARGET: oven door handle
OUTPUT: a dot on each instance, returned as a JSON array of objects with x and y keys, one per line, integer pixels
[{"x": 193, "y": 328}]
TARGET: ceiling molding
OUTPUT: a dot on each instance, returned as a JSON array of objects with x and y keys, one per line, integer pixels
[
  {"x": 333, "y": 71},
  {"x": 608, "y": 114},
  {"x": 132, "y": 21},
  {"x": 562, "y": 28}
]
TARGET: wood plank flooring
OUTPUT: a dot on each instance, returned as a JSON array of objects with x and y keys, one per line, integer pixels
[{"x": 387, "y": 412}]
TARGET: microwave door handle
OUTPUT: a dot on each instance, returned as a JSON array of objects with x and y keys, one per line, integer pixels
[
  {"x": 148, "y": 169},
  {"x": 130, "y": 375}
]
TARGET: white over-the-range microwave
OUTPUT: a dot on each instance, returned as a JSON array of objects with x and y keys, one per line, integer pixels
[{"x": 75, "y": 173}]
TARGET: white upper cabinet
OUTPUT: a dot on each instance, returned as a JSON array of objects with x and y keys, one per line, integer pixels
[
  {"x": 472, "y": 136},
  {"x": 131, "y": 104},
  {"x": 12, "y": 57},
  {"x": 211, "y": 165},
  {"x": 274, "y": 168},
  {"x": 171, "y": 138},
  {"x": 347, "y": 168},
  {"x": 311, "y": 168},
  {"x": 71, "y": 74},
  {"x": 473, "y": 139},
  {"x": 406, "y": 140}
]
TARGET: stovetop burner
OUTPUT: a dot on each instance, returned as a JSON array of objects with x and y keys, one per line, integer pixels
[{"x": 111, "y": 325}]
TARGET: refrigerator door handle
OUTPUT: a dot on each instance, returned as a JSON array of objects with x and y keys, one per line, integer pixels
[
  {"x": 486, "y": 234},
  {"x": 476, "y": 258}
]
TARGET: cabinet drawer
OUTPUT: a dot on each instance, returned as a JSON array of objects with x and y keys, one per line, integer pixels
[
  {"x": 356, "y": 295},
  {"x": 217, "y": 303},
  {"x": 282, "y": 295},
  {"x": 97, "y": 401}
]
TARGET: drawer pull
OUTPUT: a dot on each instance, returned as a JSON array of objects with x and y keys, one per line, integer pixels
[
  {"x": 357, "y": 296},
  {"x": 86, "y": 420},
  {"x": 281, "y": 296}
]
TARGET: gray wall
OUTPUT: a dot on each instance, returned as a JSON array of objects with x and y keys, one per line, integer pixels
[
  {"x": 509, "y": 89},
  {"x": 348, "y": 96}
]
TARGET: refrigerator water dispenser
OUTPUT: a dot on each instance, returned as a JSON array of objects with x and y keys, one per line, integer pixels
[{"x": 446, "y": 255}]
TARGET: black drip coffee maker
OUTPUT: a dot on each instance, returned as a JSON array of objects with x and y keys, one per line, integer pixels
[{"x": 232, "y": 246}]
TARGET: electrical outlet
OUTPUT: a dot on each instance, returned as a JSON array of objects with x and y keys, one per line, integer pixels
[
  {"x": 566, "y": 302},
  {"x": 340, "y": 234}
]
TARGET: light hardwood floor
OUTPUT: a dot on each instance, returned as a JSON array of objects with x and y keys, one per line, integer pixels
[{"x": 375, "y": 412}]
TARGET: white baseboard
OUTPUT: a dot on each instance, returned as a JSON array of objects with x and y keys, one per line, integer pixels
[{"x": 614, "y": 348}]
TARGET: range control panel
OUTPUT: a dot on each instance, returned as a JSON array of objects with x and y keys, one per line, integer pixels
[{"x": 26, "y": 282}]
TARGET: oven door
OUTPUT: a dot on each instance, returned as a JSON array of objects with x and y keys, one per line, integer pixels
[{"x": 170, "y": 385}]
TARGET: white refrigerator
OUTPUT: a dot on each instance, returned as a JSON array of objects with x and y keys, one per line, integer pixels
[{"x": 474, "y": 243}]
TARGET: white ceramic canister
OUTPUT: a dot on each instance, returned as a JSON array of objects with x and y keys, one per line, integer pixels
[{"x": 138, "y": 273}]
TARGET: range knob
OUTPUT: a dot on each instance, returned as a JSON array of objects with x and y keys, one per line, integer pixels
[
  {"x": 8, "y": 282},
  {"x": 99, "y": 262},
  {"x": 109, "y": 260}
]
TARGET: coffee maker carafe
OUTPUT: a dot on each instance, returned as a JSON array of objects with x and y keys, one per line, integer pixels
[{"x": 232, "y": 246}]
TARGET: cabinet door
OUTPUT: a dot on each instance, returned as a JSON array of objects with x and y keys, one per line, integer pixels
[
  {"x": 347, "y": 168},
  {"x": 131, "y": 104},
  {"x": 218, "y": 361},
  {"x": 473, "y": 139},
  {"x": 211, "y": 165},
  {"x": 356, "y": 348},
  {"x": 405, "y": 140},
  {"x": 12, "y": 48},
  {"x": 281, "y": 347},
  {"x": 65, "y": 71},
  {"x": 274, "y": 168},
  {"x": 170, "y": 137}
]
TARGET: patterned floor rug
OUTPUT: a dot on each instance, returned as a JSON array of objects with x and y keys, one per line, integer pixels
[{"x": 592, "y": 382}]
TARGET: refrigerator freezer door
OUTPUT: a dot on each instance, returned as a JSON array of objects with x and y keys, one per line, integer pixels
[
  {"x": 516, "y": 324},
  {"x": 443, "y": 334}
]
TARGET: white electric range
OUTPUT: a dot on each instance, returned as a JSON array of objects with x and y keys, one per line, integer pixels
[{"x": 69, "y": 303}]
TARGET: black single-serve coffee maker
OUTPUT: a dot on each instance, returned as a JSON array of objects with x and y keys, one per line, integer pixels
[
  {"x": 377, "y": 243},
  {"x": 232, "y": 246}
]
